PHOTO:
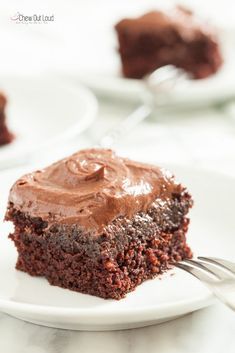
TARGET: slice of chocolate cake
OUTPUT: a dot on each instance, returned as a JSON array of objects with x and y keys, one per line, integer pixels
[
  {"x": 97, "y": 223},
  {"x": 5, "y": 135},
  {"x": 177, "y": 37}
]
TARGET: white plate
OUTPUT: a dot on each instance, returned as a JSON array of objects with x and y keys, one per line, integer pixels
[
  {"x": 43, "y": 112},
  {"x": 106, "y": 80},
  {"x": 211, "y": 233}
]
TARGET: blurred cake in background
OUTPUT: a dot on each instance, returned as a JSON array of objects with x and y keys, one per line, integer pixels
[
  {"x": 5, "y": 135},
  {"x": 177, "y": 37}
]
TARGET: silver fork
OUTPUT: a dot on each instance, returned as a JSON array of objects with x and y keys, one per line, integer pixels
[
  {"x": 156, "y": 84},
  {"x": 217, "y": 274}
]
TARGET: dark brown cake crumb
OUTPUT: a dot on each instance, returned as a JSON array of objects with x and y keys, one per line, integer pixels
[{"x": 127, "y": 253}]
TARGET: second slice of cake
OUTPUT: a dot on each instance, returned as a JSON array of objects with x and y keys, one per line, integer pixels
[
  {"x": 176, "y": 37},
  {"x": 99, "y": 224}
]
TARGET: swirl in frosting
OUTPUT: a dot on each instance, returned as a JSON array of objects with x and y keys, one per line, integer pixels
[{"x": 91, "y": 188}]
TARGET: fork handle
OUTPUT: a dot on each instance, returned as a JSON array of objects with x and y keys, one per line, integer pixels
[
  {"x": 140, "y": 114},
  {"x": 225, "y": 293}
]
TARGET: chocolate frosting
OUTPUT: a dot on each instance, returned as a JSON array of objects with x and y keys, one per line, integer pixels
[{"x": 92, "y": 188}]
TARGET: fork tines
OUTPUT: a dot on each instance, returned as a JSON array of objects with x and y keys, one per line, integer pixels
[{"x": 209, "y": 269}]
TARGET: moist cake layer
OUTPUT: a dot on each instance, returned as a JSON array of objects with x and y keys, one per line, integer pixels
[{"x": 127, "y": 253}]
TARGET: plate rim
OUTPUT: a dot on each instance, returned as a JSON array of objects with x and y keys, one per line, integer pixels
[
  {"x": 96, "y": 313},
  {"x": 88, "y": 117}
]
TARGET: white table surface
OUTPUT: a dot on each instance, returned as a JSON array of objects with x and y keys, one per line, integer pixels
[{"x": 205, "y": 138}]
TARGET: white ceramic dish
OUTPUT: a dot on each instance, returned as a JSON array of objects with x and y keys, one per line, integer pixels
[
  {"x": 42, "y": 113},
  {"x": 211, "y": 233}
]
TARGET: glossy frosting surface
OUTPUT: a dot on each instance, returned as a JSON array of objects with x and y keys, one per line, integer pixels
[{"x": 92, "y": 188}]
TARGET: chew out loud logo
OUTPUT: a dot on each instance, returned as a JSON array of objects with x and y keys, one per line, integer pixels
[{"x": 32, "y": 19}]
